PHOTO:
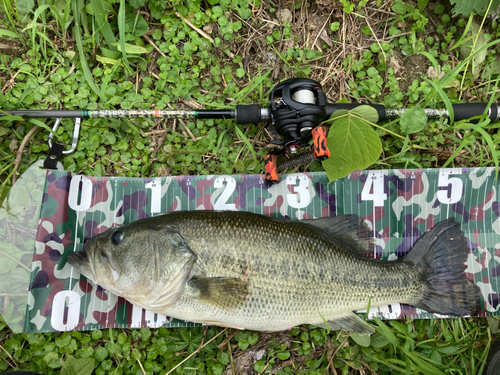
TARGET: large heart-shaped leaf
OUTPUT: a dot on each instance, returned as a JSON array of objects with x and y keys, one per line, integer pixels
[
  {"x": 353, "y": 144},
  {"x": 466, "y": 7}
]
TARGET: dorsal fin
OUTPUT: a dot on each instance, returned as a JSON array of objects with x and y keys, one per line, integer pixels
[{"x": 351, "y": 230}]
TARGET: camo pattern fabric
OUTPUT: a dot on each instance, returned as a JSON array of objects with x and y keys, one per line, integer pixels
[{"x": 398, "y": 205}]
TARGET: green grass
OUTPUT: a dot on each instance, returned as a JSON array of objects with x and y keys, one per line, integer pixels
[{"x": 100, "y": 54}]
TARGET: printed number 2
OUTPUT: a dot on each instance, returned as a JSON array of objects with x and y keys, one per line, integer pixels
[
  {"x": 221, "y": 202},
  {"x": 375, "y": 182},
  {"x": 80, "y": 193},
  {"x": 301, "y": 191},
  {"x": 454, "y": 185}
]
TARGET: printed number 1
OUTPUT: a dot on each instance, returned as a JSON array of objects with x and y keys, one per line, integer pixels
[
  {"x": 155, "y": 187},
  {"x": 375, "y": 182}
]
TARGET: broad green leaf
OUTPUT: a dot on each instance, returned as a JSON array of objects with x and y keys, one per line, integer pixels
[
  {"x": 361, "y": 340},
  {"x": 449, "y": 349},
  {"x": 493, "y": 324},
  {"x": 469, "y": 47},
  {"x": 82, "y": 366},
  {"x": 18, "y": 201},
  {"x": 69, "y": 54},
  {"x": 366, "y": 112},
  {"x": 378, "y": 340},
  {"x": 353, "y": 145},
  {"x": 136, "y": 23},
  {"x": 466, "y": 7},
  {"x": 337, "y": 114},
  {"x": 422, "y": 4},
  {"x": 131, "y": 48},
  {"x": 413, "y": 120},
  {"x": 24, "y": 6},
  {"x": 137, "y": 3},
  {"x": 491, "y": 69}
]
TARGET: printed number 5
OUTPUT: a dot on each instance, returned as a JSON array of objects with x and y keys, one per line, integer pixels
[{"x": 454, "y": 185}]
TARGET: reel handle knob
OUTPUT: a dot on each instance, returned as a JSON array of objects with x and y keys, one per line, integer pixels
[
  {"x": 321, "y": 151},
  {"x": 272, "y": 176}
]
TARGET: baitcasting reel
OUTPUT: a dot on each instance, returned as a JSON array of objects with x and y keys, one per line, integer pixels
[{"x": 297, "y": 108}]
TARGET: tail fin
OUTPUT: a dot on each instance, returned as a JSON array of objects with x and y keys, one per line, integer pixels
[{"x": 441, "y": 255}]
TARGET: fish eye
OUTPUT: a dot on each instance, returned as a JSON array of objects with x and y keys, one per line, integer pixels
[{"x": 117, "y": 237}]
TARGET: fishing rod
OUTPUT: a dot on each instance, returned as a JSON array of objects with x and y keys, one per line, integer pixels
[{"x": 296, "y": 108}]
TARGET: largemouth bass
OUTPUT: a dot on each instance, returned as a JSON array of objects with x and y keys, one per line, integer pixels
[{"x": 248, "y": 271}]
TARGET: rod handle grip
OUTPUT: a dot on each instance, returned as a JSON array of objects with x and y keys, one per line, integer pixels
[
  {"x": 464, "y": 111},
  {"x": 248, "y": 114}
]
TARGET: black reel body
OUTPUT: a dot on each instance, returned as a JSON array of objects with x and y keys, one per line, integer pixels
[{"x": 297, "y": 107}]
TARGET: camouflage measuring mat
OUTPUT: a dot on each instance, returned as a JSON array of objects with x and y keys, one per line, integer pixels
[{"x": 398, "y": 205}]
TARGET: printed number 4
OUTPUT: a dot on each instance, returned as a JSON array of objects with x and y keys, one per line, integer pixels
[
  {"x": 454, "y": 188},
  {"x": 373, "y": 189}
]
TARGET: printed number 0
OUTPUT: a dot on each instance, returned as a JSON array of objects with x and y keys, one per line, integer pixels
[
  {"x": 85, "y": 193},
  {"x": 150, "y": 318},
  {"x": 301, "y": 191},
  {"x": 221, "y": 203},
  {"x": 377, "y": 183},
  {"x": 59, "y": 304},
  {"x": 454, "y": 193}
]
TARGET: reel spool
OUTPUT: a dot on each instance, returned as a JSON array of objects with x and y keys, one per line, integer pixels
[{"x": 297, "y": 107}]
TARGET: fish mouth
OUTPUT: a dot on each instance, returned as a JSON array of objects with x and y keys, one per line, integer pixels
[{"x": 81, "y": 262}]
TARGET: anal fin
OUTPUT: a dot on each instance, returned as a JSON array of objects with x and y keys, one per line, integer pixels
[
  {"x": 222, "y": 292},
  {"x": 350, "y": 322}
]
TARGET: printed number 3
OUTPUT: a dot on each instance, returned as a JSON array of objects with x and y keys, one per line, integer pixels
[{"x": 301, "y": 191}]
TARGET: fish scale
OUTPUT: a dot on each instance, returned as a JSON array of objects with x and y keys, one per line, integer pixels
[{"x": 249, "y": 271}]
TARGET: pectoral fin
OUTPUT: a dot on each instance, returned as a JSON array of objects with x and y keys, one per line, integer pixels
[
  {"x": 351, "y": 323},
  {"x": 222, "y": 292}
]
